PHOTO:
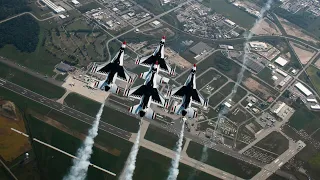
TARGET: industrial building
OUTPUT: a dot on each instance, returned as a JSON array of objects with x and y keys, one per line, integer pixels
[
  {"x": 282, "y": 110},
  {"x": 258, "y": 45},
  {"x": 51, "y": 5},
  {"x": 75, "y": 2},
  {"x": 63, "y": 67},
  {"x": 231, "y": 23},
  {"x": 303, "y": 89},
  {"x": 281, "y": 61},
  {"x": 200, "y": 48}
]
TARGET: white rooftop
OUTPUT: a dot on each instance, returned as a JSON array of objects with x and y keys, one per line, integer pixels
[
  {"x": 303, "y": 89},
  {"x": 281, "y": 61}
]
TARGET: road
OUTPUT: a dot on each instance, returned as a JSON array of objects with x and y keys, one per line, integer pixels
[
  {"x": 61, "y": 151},
  {"x": 64, "y": 109},
  {"x": 271, "y": 168},
  {"x": 5, "y": 20}
]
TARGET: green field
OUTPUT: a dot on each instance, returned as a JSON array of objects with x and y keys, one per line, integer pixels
[
  {"x": 266, "y": 75},
  {"x": 209, "y": 76},
  {"x": 231, "y": 12},
  {"x": 109, "y": 115},
  {"x": 274, "y": 142},
  {"x": 223, "y": 162},
  {"x": 162, "y": 137},
  {"x": 39, "y": 60},
  {"x": 240, "y": 117},
  {"x": 83, "y": 104},
  {"x": 303, "y": 118},
  {"x": 314, "y": 75},
  {"x": 87, "y": 7},
  {"x": 70, "y": 144},
  {"x": 216, "y": 99},
  {"x": 153, "y": 5},
  {"x": 30, "y": 82}
]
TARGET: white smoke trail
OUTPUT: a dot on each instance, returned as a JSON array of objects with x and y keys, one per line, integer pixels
[
  {"x": 174, "y": 169},
  {"x": 246, "y": 47},
  {"x": 80, "y": 165},
  {"x": 130, "y": 165},
  {"x": 204, "y": 158}
]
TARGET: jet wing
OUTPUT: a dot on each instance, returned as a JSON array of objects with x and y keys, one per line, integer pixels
[
  {"x": 137, "y": 92},
  {"x": 157, "y": 98},
  {"x": 104, "y": 68},
  {"x": 197, "y": 98},
  {"x": 122, "y": 74},
  {"x": 149, "y": 60},
  {"x": 178, "y": 92}
]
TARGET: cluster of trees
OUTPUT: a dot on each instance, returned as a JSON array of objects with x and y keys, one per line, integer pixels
[
  {"x": 223, "y": 63},
  {"x": 11, "y": 7},
  {"x": 22, "y": 32}
]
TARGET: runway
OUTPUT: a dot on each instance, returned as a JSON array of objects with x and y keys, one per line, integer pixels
[{"x": 64, "y": 109}]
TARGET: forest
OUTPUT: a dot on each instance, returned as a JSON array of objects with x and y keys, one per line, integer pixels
[
  {"x": 12, "y": 7},
  {"x": 22, "y": 32}
]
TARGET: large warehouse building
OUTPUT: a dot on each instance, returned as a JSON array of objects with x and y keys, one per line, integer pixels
[
  {"x": 52, "y": 6},
  {"x": 303, "y": 89}
]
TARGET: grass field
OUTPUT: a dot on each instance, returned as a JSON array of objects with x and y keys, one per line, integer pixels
[
  {"x": 240, "y": 117},
  {"x": 82, "y": 104},
  {"x": 61, "y": 77},
  {"x": 87, "y": 7},
  {"x": 266, "y": 75},
  {"x": 109, "y": 115},
  {"x": 30, "y": 82},
  {"x": 69, "y": 144},
  {"x": 315, "y": 78},
  {"x": 39, "y": 60},
  {"x": 274, "y": 142},
  {"x": 12, "y": 145},
  {"x": 209, "y": 76},
  {"x": 161, "y": 137},
  {"x": 216, "y": 99},
  {"x": 303, "y": 118},
  {"x": 223, "y": 162}
]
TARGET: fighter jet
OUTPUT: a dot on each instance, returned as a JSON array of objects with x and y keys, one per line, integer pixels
[
  {"x": 113, "y": 70},
  {"x": 147, "y": 93},
  {"x": 158, "y": 55},
  {"x": 188, "y": 94}
]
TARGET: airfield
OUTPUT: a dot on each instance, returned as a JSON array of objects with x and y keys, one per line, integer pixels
[{"x": 260, "y": 137}]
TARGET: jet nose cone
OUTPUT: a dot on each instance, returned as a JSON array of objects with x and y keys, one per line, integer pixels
[
  {"x": 124, "y": 44},
  {"x": 142, "y": 113},
  {"x": 184, "y": 113}
]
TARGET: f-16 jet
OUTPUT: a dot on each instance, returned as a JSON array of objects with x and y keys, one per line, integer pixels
[
  {"x": 157, "y": 55},
  {"x": 188, "y": 94},
  {"x": 147, "y": 93},
  {"x": 113, "y": 70}
]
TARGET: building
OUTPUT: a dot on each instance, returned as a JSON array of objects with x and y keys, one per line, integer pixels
[
  {"x": 315, "y": 107},
  {"x": 282, "y": 110},
  {"x": 303, "y": 89},
  {"x": 258, "y": 45},
  {"x": 312, "y": 100},
  {"x": 281, "y": 72},
  {"x": 231, "y": 23},
  {"x": 52, "y": 6},
  {"x": 281, "y": 61},
  {"x": 75, "y": 2},
  {"x": 200, "y": 48},
  {"x": 62, "y": 16},
  {"x": 63, "y": 67},
  {"x": 156, "y": 23}
]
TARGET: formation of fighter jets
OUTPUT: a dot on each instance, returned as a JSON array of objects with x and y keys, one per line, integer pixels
[{"x": 148, "y": 92}]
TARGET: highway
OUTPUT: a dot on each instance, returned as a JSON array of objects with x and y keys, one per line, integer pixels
[{"x": 64, "y": 109}]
